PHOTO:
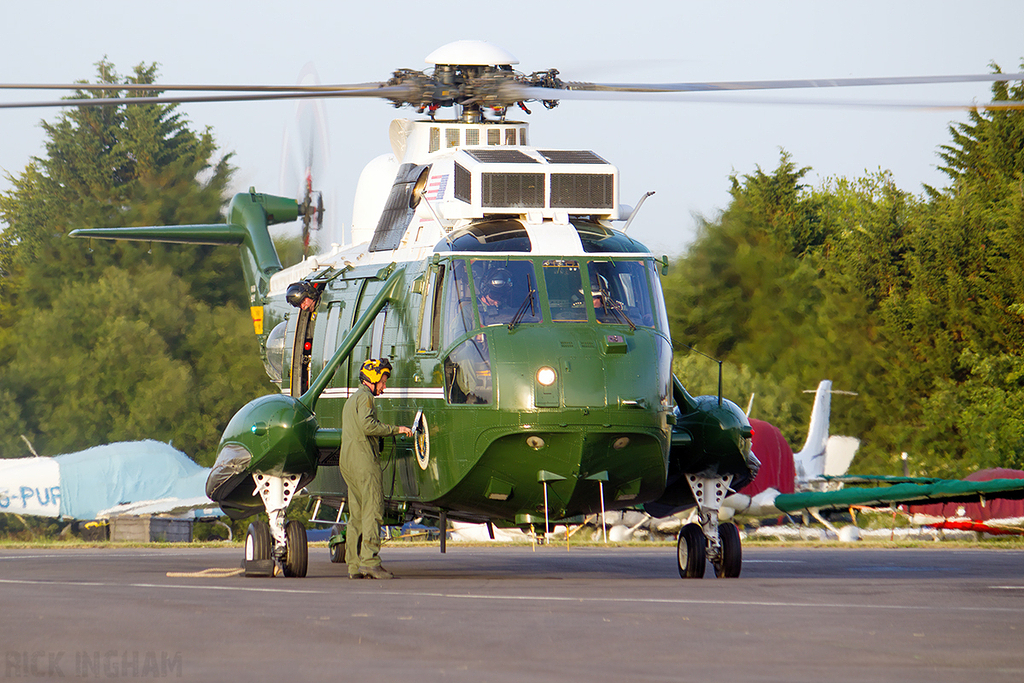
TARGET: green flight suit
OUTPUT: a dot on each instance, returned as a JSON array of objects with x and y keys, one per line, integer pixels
[{"x": 360, "y": 466}]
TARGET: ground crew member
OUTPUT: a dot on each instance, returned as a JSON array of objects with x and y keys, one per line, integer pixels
[{"x": 360, "y": 466}]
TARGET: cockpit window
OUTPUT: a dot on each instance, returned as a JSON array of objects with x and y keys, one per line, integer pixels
[
  {"x": 599, "y": 239},
  {"x": 659, "y": 298},
  {"x": 621, "y": 293},
  {"x": 506, "y": 291},
  {"x": 458, "y": 307},
  {"x": 565, "y": 291},
  {"x": 497, "y": 235},
  {"x": 467, "y": 372}
]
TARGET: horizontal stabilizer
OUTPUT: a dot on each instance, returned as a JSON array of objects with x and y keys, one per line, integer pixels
[
  {"x": 839, "y": 452},
  {"x": 219, "y": 233}
]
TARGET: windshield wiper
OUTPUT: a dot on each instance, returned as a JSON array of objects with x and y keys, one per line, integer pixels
[
  {"x": 616, "y": 307},
  {"x": 528, "y": 302}
]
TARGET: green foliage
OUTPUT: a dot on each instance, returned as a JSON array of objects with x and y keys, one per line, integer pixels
[
  {"x": 915, "y": 304},
  {"x": 116, "y": 340}
]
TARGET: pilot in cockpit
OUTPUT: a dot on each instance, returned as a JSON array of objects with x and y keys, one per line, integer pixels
[{"x": 495, "y": 297}]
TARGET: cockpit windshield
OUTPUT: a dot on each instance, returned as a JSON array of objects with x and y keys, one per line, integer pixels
[
  {"x": 621, "y": 293},
  {"x": 510, "y": 292},
  {"x": 506, "y": 291},
  {"x": 565, "y": 291}
]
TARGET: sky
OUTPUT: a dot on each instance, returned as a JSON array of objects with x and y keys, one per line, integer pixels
[{"x": 683, "y": 151}]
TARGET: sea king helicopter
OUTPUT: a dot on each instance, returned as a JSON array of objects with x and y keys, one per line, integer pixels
[{"x": 528, "y": 335}]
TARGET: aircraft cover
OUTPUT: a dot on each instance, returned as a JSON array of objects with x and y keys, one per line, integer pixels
[
  {"x": 776, "y": 456},
  {"x": 997, "y": 508},
  {"x": 82, "y": 485},
  {"x": 942, "y": 490}
]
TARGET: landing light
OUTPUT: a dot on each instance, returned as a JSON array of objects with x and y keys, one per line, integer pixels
[{"x": 546, "y": 376}]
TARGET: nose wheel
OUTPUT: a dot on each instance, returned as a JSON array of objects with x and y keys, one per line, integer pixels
[
  {"x": 730, "y": 559},
  {"x": 692, "y": 552}
]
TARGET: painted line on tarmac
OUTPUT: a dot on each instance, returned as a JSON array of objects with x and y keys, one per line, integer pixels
[
  {"x": 101, "y": 553},
  {"x": 685, "y": 601},
  {"x": 104, "y": 584}
]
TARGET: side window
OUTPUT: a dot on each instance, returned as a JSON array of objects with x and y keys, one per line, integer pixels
[
  {"x": 430, "y": 312},
  {"x": 467, "y": 373},
  {"x": 458, "y": 307},
  {"x": 377, "y": 343},
  {"x": 661, "y": 315}
]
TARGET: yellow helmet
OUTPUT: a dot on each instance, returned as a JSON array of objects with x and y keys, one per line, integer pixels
[{"x": 375, "y": 370}]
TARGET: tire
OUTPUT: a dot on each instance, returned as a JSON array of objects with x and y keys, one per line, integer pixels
[
  {"x": 337, "y": 550},
  {"x": 691, "y": 551},
  {"x": 258, "y": 542},
  {"x": 732, "y": 552},
  {"x": 296, "y": 558}
]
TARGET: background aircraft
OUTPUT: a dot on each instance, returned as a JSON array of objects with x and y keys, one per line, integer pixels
[
  {"x": 136, "y": 477},
  {"x": 820, "y": 467}
]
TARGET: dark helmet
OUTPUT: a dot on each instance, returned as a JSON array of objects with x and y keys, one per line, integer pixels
[
  {"x": 374, "y": 370},
  {"x": 498, "y": 284},
  {"x": 299, "y": 291}
]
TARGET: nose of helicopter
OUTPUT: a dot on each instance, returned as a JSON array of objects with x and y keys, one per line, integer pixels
[{"x": 582, "y": 415}]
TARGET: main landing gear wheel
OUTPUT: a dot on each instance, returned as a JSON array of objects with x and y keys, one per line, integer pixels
[
  {"x": 692, "y": 552},
  {"x": 338, "y": 549},
  {"x": 296, "y": 557},
  {"x": 729, "y": 564},
  {"x": 259, "y": 546}
]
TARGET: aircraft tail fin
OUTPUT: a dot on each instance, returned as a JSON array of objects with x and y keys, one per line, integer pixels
[{"x": 810, "y": 461}]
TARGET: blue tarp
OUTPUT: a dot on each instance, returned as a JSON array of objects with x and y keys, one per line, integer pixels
[{"x": 128, "y": 472}]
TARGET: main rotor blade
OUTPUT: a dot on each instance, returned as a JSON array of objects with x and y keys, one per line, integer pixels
[
  {"x": 699, "y": 97},
  {"x": 188, "y": 87},
  {"x": 386, "y": 92},
  {"x": 787, "y": 84}
]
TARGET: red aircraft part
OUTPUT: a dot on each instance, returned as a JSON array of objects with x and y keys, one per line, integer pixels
[{"x": 776, "y": 458}]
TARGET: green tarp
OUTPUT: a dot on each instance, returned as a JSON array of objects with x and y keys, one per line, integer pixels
[{"x": 942, "y": 491}]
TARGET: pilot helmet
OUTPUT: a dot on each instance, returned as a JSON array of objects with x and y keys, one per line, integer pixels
[
  {"x": 299, "y": 291},
  {"x": 498, "y": 284},
  {"x": 374, "y": 370}
]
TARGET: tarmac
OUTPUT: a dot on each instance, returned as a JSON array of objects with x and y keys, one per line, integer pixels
[{"x": 517, "y": 614}]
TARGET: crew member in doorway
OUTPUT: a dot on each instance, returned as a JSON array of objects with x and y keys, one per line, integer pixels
[
  {"x": 361, "y": 433},
  {"x": 302, "y": 295}
]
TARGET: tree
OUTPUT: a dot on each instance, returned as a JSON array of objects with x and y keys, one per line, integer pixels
[{"x": 116, "y": 340}]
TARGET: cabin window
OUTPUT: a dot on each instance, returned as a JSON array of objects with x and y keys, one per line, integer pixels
[
  {"x": 621, "y": 293},
  {"x": 565, "y": 291},
  {"x": 467, "y": 373},
  {"x": 276, "y": 347},
  {"x": 458, "y": 308},
  {"x": 377, "y": 343},
  {"x": 325, "y": 339},
  {"x": 506, "y": 291}
]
